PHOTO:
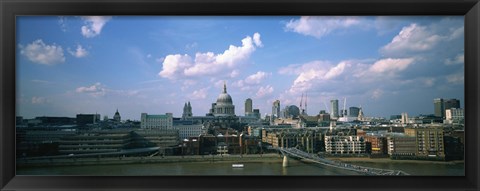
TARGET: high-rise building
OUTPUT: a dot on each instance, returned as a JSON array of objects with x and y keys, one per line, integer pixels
[
  {"x": 404, "y": 118},
  {"x": 454, "y": 115},
  {"x": 276, "y": 109},
  {"x": 354, "y": 111},
  {"x": 451, "y": 103},
  {"x": 334, "y": 114},
  {"x": 248, "y": 107},
  {"x": 439, "y": 107}
]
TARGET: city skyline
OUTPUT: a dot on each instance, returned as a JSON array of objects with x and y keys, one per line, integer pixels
[{"x": 386, "y": 65}]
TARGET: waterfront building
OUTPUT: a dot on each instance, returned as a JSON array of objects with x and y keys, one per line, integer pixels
[
  {"x": 186, "y": 131},
  {"x": 162, "y": 122},
  {"x": 224, "y": 106},
  {"x": 187, "y": 111},
  {"x": 117, "y": 117},
  {"x": 376, "y": 145},
  {"x": 439, "y": 107},
  {"x": 429, "y": 142},
  {"x": 275, "y": 110},
  {"x": 41, "y": 140},
  {"x": 344, "y": 145},
  {"x": 248, "y": 107},
  {"x": 105, "y": 141},
  {"x": 401, "y": 146},
  {"x": 84, "y": 119},
  {"x": 334, "y": 106},
  {"x": 56, "y": 120},
  {"x": 454, "y": 115}
]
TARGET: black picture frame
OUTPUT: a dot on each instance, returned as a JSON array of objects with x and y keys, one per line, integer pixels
[{"x": 9, "y": 9}]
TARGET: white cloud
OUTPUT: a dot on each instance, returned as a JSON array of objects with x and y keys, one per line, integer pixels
[
  {"x": 319, "y": 26},
  {"x": 41, "y": 53},
  {"x": 79, "y": 52},
  {"x": 457, "y": 78},
  {"x": 459, "y": 59},
  {"x": 95, "y": 90},
  {"x": 234, "y": 73},
  {"x": 264, "y": 91},
  {"x": 377, "y": 93},
  {"x": 39, "y": 100},
  {"x": 173, "y": 65},
  {"x": 391, "y": 65},
  {"x": 199, "y": 94},
  {"x": 62, "y": 21},
  {"x": 208, "y": 63},
  {"x": 256, "y": 78},
  {"x": 94, "y": 25}
]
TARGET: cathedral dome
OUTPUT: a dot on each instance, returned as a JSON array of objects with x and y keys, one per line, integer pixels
[{"x": 224, "y": 98}]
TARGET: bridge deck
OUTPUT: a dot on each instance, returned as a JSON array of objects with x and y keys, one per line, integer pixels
[{"x": 361, "y": 169}]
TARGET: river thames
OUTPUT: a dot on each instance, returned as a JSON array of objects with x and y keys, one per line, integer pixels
[{"x": 295, "y": 168}]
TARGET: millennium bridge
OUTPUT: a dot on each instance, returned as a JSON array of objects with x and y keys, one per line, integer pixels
[{"x": 296, "y": 153}]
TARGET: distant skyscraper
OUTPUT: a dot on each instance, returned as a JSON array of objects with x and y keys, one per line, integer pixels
[
  {"x": 354, "y": 111},
  {"x": 334, "y": 103},
  {"x": 439, "y": 107},
  {"x": 276, "y": 109},
  {"x": 248, "y": 107},
  {"x": 451, "y": 103},
  {"x": 404, "y": 118}
]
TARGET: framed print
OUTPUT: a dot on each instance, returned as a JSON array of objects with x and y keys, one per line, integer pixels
[{"x": 239, "y": 95}]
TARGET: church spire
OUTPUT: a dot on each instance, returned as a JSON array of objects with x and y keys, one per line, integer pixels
[{"x": 224, "y": 87}]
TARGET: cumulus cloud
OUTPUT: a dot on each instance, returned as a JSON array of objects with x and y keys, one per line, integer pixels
[
  {"x": 456, "y": 78},
  {"x": 199, "y": 94},
  {"x": 39, "y": 100},
  {"x": 175, "y": 66},
  {"x": 416, "y": 39},
  {"x": 390, "y": 65},
  {"x": 459, "y": 59},
  {"x": 41, "y": 53},
  {"x": 95, "y": 90},
  {"x": 264, "y": 91},
  {"x": 256, "y": 78},
  {"x": 93, "y": 25},
  {"x": 319, "y": 26},
  {"x": 79, "y": 52}
]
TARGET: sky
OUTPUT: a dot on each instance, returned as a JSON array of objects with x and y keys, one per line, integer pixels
[{"x": 154, "y": 64}]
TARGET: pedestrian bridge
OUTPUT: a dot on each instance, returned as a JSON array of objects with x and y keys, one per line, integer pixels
[{"x": 296, "y": 153}]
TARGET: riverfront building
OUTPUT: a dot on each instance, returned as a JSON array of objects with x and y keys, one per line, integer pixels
[
  {"x": 344, "y": 145},
  {"x": 162, "y": 122},
  {"x": 429, "y": 142}
]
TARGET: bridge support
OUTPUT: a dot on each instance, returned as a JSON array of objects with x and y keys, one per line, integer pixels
[{"x": 285, "y": 161}]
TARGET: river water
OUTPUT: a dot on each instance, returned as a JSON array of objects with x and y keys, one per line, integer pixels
[{"x": 225, "y": 168}]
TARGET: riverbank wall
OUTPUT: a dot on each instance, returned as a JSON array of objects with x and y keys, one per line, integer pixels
[{"x": 154, "y": 159}]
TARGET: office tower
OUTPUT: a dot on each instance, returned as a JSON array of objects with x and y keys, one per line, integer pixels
[
  {"x": 439, "y": 107},
  {"x": 276, "y": 109},
  {"x": 334, "y": 104},
  {"x": 354, "y": 111},
  {"x": 451, "y": 103},
  {"x": 248, "y": 107}
]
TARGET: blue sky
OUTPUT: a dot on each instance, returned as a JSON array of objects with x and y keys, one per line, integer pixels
[{"x": 386, "y": 65}]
